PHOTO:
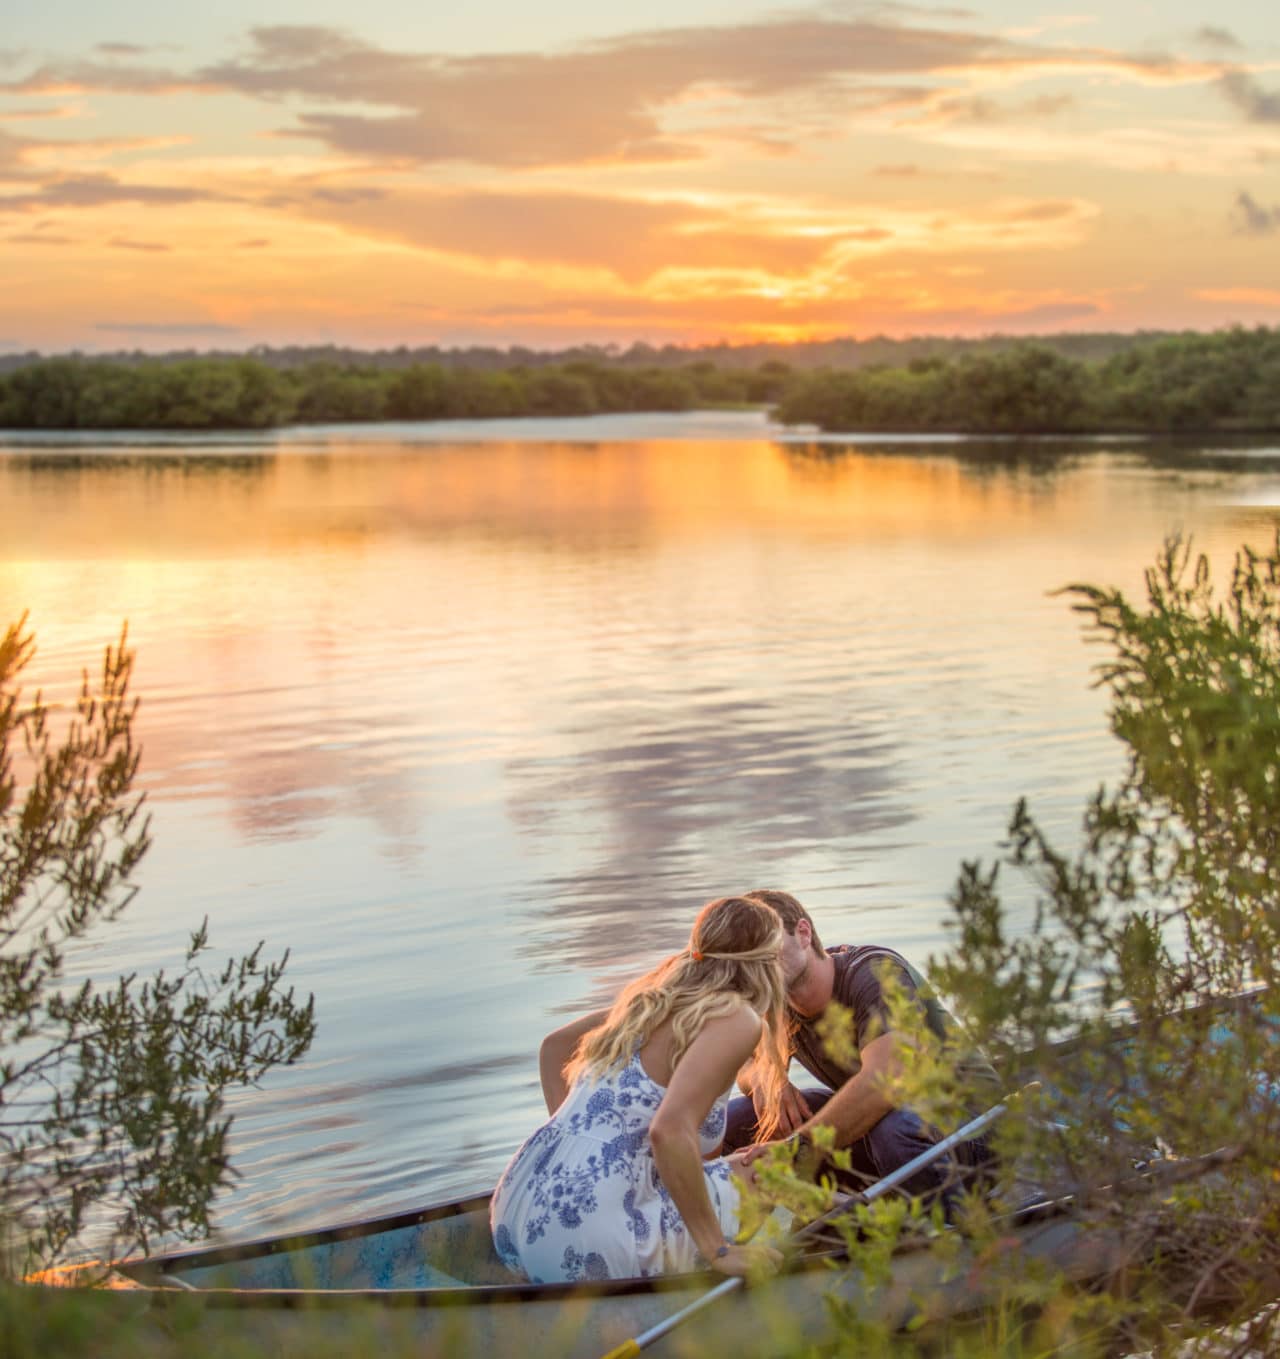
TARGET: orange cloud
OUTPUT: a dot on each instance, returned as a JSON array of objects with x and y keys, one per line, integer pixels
[
  {"x": 147, "y": 247},
  {"x": 93, "y": 191},
  {"x": 636, "y": 239},
  {"x": 630, "y": 238},
  {"x": 40, "y": 238}
]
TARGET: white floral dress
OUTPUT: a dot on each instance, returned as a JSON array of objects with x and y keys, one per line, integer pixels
[{"x": 581, "y": 1199}]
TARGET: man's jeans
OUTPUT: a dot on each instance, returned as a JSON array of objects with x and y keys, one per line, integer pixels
[{"x": 896, "y": 1139}]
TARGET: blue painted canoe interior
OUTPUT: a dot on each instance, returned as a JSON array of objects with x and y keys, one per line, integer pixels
[{"x": 450, "y": 1252}]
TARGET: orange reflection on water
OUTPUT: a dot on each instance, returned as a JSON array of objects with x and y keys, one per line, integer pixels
[{"x": 149, "y": 505}]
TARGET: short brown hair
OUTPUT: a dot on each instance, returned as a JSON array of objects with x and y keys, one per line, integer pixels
[{"x": 788, "y": 910}]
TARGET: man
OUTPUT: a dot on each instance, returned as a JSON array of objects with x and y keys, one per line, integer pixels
[{"x": 879, "y": 1135}]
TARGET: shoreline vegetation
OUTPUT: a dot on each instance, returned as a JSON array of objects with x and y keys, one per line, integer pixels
[{"x": 1177, "y": 383}]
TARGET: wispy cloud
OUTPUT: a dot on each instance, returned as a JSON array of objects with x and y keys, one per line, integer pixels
[
  {"x": 1251, "y": 218},
  {"x": 1247, "y": 94},
  {"x": 13, "y": 152},
  {"x": 147, "y": 247},
  {"x": 1222, "y": 39},
  {"x": 104, "y": 77},
  {"x": 94, "y": 191},
  {"x": 174, "y": 329},
  {"x": 1052, "y": 23},
  {"x": 975, "y": 108},
  {"x": 29, "y": 115},
  {"x": 40, "y": 238}
]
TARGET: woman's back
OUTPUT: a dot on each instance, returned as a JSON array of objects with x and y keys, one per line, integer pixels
[
  {"x": 582, "y": 1197},
  {"x": 657, "y": 1053}
]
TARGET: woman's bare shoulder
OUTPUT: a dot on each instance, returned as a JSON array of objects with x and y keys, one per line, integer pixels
[{"x": 739, "y": 1026}]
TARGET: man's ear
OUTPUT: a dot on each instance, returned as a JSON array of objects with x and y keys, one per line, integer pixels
[{"x": 804, "y": 933}]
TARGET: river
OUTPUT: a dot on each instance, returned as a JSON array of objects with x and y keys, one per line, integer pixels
[{"x": 473, "y": 717}]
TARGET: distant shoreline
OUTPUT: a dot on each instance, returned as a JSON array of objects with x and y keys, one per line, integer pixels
[{"x": 1224, "y": 383}]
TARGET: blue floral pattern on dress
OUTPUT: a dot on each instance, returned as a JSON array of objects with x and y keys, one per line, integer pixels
[
  {"x": 582, "y": 1198},
  {"x": 713, "y": 1126},
  {"x": 589, "y": 1266},
  {"x": 506, "y": 1248}
]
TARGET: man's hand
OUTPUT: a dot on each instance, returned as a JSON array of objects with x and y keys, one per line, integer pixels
[
  {"x": 794, "y": 1109},
  {"x": 744, "y": 1156}
]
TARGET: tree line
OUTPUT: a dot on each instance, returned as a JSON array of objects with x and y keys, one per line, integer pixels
[
  {"x": 246, "y": 393},
  {"x": 1227, "y": 381}
]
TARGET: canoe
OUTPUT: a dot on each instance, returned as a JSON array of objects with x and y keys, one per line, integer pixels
[{"x": 436, "y": 1271}]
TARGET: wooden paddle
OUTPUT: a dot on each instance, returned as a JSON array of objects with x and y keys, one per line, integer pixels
[{"x": 629, "y": 1348}]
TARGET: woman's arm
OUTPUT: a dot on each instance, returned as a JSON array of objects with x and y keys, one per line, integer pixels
[
  {"x": 556, "y": 1049},
  {"x": 703, "y": 1074}
]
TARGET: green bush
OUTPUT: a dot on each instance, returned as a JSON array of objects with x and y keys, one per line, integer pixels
[{"x": 111, "y": 1094}]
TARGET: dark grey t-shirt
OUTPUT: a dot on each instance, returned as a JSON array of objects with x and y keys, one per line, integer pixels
[{"x": 858, "y": 986}]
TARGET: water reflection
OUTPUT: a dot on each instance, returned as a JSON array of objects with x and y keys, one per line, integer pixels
[
  {"x": 665, "y": 805},
  {"x": 981, "y": 458},
  {"x": 476, "y": 723},
  {"x": 1052, "y": 454}
]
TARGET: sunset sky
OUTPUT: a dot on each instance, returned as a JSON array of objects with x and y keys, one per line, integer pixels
[{"x": 686, "y": 170}]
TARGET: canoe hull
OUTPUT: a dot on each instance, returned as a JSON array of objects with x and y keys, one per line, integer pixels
[{"x": 585, "y": 1321}]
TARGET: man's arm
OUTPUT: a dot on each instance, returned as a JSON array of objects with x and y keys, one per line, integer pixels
[{"x": 863, "y": 1100}]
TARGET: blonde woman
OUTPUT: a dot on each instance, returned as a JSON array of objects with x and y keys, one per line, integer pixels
[{"x": 620, "y": 1182}]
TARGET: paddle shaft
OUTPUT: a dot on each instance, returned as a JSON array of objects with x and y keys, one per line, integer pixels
[{"x": 630, "y": 1348}]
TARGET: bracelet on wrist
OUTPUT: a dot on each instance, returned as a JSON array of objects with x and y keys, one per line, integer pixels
[{"x": 721, "y": 1251}]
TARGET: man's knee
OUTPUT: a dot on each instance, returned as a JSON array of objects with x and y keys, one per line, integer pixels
[
  {"x": 740, "y": 1126},
  {"x": 901, "y": 1135}
]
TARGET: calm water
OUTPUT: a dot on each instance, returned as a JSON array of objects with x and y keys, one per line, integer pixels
[{"x": 473, "y": 717}]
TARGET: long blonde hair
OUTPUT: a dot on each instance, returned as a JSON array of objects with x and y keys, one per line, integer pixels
[{"x": 732, "y": 957}]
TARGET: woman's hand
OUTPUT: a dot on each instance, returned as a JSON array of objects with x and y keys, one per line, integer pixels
[{"x": 748, "y": 1259}]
